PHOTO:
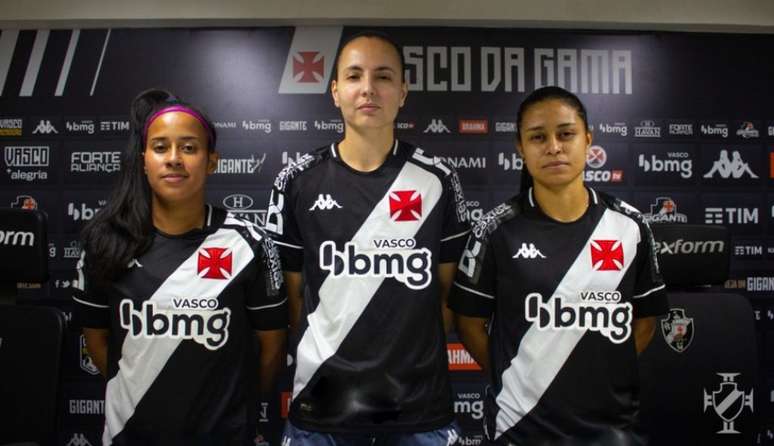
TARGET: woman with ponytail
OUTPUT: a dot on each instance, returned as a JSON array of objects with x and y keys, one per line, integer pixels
[
  {"x": 557, "y": 293},
  {"x": 172, "y": 291}
]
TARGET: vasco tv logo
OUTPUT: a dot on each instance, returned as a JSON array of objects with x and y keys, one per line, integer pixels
[
  {"x": 408, "y": 266},
  {"x": 595, "y": 159},
  {"x": 612, "y": 320},
  {"x": 207, "y": 328}
]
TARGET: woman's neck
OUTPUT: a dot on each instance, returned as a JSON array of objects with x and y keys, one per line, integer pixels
[
  {"x": 565, "y": 204},
  {"x": 366, "y": 152},
  {"x": 175, "y": 219}
]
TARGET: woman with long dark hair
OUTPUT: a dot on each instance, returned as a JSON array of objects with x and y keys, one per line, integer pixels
[
  {"x": 172, "y": 291},
  {"x": 557, "y": 293}
]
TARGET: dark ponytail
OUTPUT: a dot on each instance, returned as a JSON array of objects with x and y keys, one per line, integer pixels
[
  {"x": 122, "y": 230},
  {"x": 540, "y": 95}
]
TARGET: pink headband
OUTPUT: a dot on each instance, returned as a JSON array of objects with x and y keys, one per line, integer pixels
[{"x": 181, "y": 109}]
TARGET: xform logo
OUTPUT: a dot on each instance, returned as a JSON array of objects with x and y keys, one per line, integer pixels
[
  {"x": 408, "y": 266},
  {"x": 44, "y": 127},
  {"x": 677, "y": 162},
  {"x": 617, "y": 128},
  {"x": 735, "y": 167},
  {"x": 510, "y": 161},
  {"x": 324, "y": 202},
  {"x": 83, "y": 212},
  {"x": 612, "y": 320},
  {"x": 528, "y": 251},
  {"x": 17, "y": 238},
  {"x": 436, "y": 126},
  {"x": 208, "y": 328},
  {"x": 681, "y": 246},
  {"x": 731, "y": 216}
]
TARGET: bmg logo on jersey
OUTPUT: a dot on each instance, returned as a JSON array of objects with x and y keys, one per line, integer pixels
[
  {"x": 408, "y": 266},
  {"x": 208, "y": 328},
  {"x": 599, "y": 311}
]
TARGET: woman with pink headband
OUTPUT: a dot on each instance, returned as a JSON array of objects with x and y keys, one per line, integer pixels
[{"x": 172, "y": 292}]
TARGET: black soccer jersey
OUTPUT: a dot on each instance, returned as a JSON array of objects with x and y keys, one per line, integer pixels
[
  {"x": 181, "y": 323},
  {"x": 561, "y": 298},
  {"x": 371, "y": 351}
]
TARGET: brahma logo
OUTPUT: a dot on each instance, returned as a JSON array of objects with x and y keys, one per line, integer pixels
[
  {"x": 308, "y": 66},
  {"x": 460, "y": 359},
  {"x": 607, "y": 255},
  {"x": 214, "y": 263},
  {"x": 405, "y": 205},
  {"x": 474, "y": 126}
]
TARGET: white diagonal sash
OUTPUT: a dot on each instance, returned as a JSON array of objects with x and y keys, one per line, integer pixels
[
  {"x": 142, "y": 358},
  {"x": 542, "y": 353},
  {"x": 342, "y": 299}
]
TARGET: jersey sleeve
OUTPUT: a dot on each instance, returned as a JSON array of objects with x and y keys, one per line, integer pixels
[
  {"x": 266, "y": 300},
  {"x": 649, "y": 297},
  {"x": 456, "y": 225},
  {"x": 281, "y": 223},
  {"x": 474, "y": 289},
  {"x": 91, "y": 309}
]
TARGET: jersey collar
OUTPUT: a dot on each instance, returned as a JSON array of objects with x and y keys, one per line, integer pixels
[{"x": 592, "y": 194}]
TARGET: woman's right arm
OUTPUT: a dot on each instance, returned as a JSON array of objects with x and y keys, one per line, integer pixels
[
  {"x": 473, "y": 333},
  {"x": 97, "y": 344}
]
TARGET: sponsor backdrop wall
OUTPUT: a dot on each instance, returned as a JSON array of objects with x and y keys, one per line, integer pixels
[{"x": 683, "y": 129}]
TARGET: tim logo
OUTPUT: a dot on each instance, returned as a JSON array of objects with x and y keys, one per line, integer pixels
[
  {"x": 405, "y": 205},
  {"x": 214, "y": 263},
  {"x": 308, "y": 67},
  {"x": 607, "y": 255},
  {"x": 728, "y": 402}
]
